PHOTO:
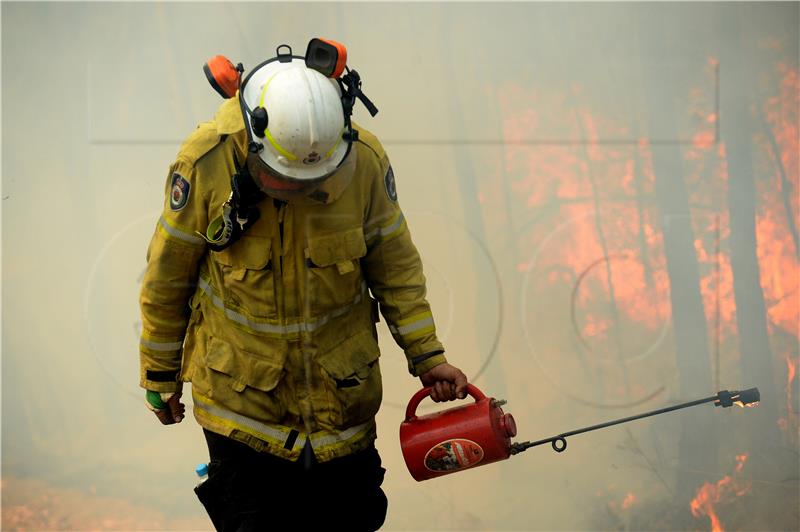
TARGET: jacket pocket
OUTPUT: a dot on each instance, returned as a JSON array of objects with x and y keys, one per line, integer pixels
[
  {"x": 247, "y": 277},
  {"x": 241, "y": 381},
  {"x": 352, "y": 378},
  {"x": 334, "y": 270}
]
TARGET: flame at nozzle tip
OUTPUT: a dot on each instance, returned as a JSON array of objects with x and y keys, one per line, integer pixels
[{"x": 749, "y": 397}]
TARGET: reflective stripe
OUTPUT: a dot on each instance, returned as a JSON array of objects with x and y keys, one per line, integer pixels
[
  {"x": 177, "y": 233},
  {"x": 406, "y": 329},
  {"x": 414, "y": 319},
  {"x": 277, "y": 434},
  {"x": 272, "y": 328},
  {"x": 264, "y": 91},
  {"x": 335, "y": 144},
  {"x": 280, "y": 149},
  {"x": 161, "y": 346},
  {"x": 265, "y": 432},
  {"x": 328, "y": 438},
  {"x": 409, "y": 329},
  {"x": 384, "y": 231}
]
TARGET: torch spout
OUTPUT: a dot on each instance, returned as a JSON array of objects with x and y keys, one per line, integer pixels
[{"x": 723, "y": 399}]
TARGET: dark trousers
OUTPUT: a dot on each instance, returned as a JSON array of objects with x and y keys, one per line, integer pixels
[{"x": 251, "y": 491}]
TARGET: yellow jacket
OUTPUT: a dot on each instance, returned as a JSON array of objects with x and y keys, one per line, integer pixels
[{"x": 277, "y": 332}]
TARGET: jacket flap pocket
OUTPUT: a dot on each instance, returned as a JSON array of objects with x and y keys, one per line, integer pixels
[
  {"x": 244, "y": 368},
  {"x": 251, "y": 252},
  {"x": 354, "y": 356},
  {"x": 337, "y": 247}
]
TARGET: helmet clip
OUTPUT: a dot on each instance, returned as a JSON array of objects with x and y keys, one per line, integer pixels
[
  {"x": 285, "y": 57},
  {"x": 259, "y": 121}
]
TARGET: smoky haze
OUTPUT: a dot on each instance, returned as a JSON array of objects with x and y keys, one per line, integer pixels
[{"x": 605, "y": 198}]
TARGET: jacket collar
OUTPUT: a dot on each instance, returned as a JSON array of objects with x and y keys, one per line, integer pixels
[{"x": 229, "y": 117}]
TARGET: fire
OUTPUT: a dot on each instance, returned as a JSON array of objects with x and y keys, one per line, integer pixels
[
  {"x": 628, "y": 501},
  {"x": 776, "y": 249},
  {"x": 704, "y": 139},
  {"x": 710, "y": 496},
  {"x": 740, "y": 460},
  {"x": 791, "y": 418},
  {"x": 596, "y": 326},
  {"x": 777, "y": 252},
  {"x": 601, "y": 196},
  {"x": 573, "y": 178}
]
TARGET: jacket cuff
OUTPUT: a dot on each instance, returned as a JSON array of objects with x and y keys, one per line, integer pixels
[
  {"x": 160, "y": 381},
  {"x": 422, "y": 363}
]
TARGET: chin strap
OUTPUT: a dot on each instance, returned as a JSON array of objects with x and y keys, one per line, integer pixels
[{"x": 239, "y": 212}]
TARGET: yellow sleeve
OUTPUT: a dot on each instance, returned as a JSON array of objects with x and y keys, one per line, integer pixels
[
  {"x": 173, "y": 258},
  {"x": 394, "y": 273}
]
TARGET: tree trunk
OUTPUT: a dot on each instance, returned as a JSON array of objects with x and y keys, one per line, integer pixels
[
  {"x": 738, "y": 127},
  {"x": 698, "y": 445}
]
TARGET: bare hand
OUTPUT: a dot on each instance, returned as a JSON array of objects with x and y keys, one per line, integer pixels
[
  {"x": 174, "y": 411},
  {"x": 447, "y": 382}
]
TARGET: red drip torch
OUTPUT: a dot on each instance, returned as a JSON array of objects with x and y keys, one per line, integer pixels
[{"x": 480, "y": 433}]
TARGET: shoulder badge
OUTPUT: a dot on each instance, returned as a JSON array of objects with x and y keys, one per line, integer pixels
[
  {"x": 179, "y": 194},
  {"x": 388, "y": 181}
]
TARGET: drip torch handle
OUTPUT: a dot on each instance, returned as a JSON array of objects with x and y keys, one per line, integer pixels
[{"x": 416, "y": 399}]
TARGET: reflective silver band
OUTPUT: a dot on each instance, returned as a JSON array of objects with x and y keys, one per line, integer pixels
[
  {"x": 161, "y": 346},
  {"x": 177, "y": 233},
  {"x": 272, "y": 328},
  {"x": 386, "y": 230},
  {"x": 411, "y": 327},
  {"x": 279, "y": 434}
]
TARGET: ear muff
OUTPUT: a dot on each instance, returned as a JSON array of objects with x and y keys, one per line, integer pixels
[
  {"x": 222, "y": 75},
  {"x": 327, "y": 57},
  {"x": 259, "y": 121}
]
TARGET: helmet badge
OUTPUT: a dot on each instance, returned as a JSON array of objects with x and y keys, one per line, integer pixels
[{"x": 312, "y": 158}]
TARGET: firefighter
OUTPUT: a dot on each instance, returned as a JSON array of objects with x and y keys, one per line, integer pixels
[{"x": 280, "y": 244}]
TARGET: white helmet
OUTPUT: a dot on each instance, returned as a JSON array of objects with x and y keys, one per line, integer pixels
[{"x": 296, "y": 123}]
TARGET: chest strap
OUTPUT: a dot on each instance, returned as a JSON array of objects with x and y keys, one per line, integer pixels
[{"x": 239, "y": 212}]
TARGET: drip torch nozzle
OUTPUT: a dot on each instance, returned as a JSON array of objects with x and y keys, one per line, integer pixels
[
  {"x": 745, "y": 397},
  {"x": 723, "y": 399}
]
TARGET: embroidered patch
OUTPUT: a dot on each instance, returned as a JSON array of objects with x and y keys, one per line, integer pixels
[
  {"x": 179, "y": 194},
  {"x": 391, "y": 188}
]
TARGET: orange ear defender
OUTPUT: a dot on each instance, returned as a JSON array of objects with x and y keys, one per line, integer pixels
[
  {"x": 222, "y": 75},
  {"x": 327, "y": 57}
]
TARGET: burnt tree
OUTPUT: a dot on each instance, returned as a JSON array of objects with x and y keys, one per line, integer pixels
[{"x": 698, "y": 445}]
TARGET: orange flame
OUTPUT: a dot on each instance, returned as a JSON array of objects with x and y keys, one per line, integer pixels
[
  {"x": 709, "y": 496},
  {"x": 567, "y": 176},
  {"x": 740, "y": 460},
  {"x": 777, "y": 255},
  {"x": 791, "y": 418},
  {"x": 574, "y": 179},
  {"x": 628, "y": 501}
]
